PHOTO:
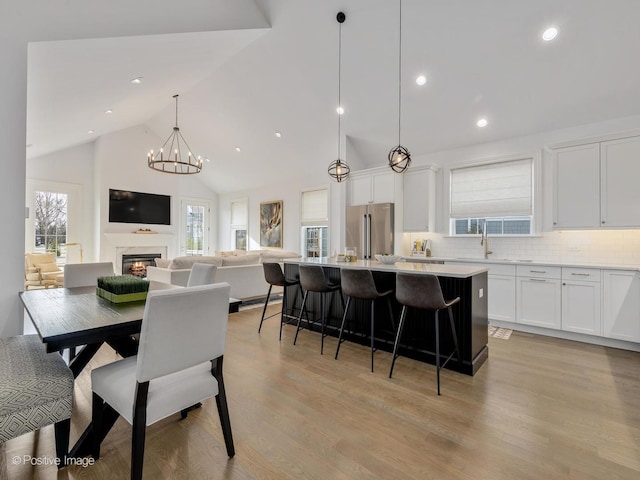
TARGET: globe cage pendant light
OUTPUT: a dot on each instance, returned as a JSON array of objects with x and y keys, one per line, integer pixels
[
  {"x": 399, "y": 157},
  {"x": 338, "y": 169},
  {"x": 173, "y": 159}
]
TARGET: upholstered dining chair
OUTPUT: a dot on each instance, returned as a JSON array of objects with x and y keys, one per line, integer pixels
[
  {"x": 179, "y": 364},
  {"x": 85, "y": 274},
  {"x": 36, "y": 389},
  {"x": 202, "y": 274}
]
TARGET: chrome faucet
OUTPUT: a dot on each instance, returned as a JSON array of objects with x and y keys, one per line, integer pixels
[{"x": 484, "y": 240}]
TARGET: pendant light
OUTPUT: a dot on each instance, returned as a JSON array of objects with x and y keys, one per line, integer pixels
[
  {"x": 399, "y": 157},
  {"x": 177, "y": 158},
  {"x": 338, "y": 169}
]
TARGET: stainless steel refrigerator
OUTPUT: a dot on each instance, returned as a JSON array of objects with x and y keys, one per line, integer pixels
[{"x": 370, "y": 229}]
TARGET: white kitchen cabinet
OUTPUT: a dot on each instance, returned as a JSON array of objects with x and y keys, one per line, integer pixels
[
  {"x": 581, "y": 301},
  {"x": 619, "y": 174},
  {"x": 501, "y": 285},
  {"x": 539, "y": 296},
  {"x": 596, "y": 184},
  {"x": 419, "y": 199},
  {"x": 621, "y": 304},
  {"x": 577, "y": 187},
  {"x": 371, "y": 187}
]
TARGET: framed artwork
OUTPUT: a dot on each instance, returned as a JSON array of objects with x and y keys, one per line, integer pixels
[{"x": 271, "y": 224}]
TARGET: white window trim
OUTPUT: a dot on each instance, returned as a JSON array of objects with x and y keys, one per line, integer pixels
[
  {"x": 206, "y": 203},
  {"x": 301, "y": 240},
  {"x": 536, "y": 228}
]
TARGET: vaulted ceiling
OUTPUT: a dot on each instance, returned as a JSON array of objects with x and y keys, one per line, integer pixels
[{"x": 272, "y": 65}]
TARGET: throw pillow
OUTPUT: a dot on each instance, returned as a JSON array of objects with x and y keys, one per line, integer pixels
[
  {"x": 48, "y": 267},
  {"x": 162, "y": 262},
  {"x": 240, "y": 260}
]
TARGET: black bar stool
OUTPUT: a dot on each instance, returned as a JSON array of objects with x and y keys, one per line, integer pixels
[
  {"x": 274, "y": 276},
  {"x": 424, "y": 291},
  {"x": 360, "y": 284},
  {"x": 313, "y": 279}
]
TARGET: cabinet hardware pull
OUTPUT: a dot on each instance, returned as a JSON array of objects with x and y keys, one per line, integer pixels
[
  {"x": 581, "y": 274},
  {"x": 537, "y": 279},
  {"x": 538, "y": 271}
]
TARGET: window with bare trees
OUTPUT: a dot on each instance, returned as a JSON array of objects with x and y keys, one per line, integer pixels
[{"x": 50, "y": 221}]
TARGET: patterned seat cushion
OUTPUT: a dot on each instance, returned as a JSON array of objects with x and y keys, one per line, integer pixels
[{"x": 36, "y": 388}]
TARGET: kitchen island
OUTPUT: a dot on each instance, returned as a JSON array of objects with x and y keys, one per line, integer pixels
[{"x": 469, "y": 282}]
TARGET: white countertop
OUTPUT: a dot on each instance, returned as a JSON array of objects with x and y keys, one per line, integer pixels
[
  {"x": 504, "y": 261},
  {"x": 457, "y": 271}
]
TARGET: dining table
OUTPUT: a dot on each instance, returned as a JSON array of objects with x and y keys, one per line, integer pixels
[{"x": 68, "y": 318}]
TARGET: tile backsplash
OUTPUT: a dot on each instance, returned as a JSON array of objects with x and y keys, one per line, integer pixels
[{"x": 612, "y": 247}]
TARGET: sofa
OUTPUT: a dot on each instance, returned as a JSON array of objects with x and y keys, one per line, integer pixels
[
  {"x": 41, "y": 270},
  {"x": 240, "y": 269}
]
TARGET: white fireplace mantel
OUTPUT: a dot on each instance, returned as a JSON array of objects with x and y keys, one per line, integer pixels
[{"x": 117, "y": 244}]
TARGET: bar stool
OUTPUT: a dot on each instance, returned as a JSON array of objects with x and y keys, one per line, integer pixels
[
  {"x": 360, "y": 284},
  {"x": 424, "y": 292},
  {"x": 274, "y": 276},
  {"x": 313, "y": 279}
]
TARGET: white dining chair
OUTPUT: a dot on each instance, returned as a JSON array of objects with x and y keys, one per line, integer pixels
[
  {"x": 202, "y": 274},
  {"x": 85, "y": 274},
  {"x": 179, "y": 364}
]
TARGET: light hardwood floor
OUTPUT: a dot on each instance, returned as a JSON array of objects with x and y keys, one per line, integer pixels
[{"x": 540, "y": 408}]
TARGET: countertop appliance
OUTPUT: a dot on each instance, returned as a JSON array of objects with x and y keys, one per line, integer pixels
[{"x": 370, "y": 229}]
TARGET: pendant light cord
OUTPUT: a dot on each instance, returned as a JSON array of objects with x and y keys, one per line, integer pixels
[
  {"x": 339, "y": 84},
  {"x": 176, "y": 97},
  {"x": 400, "y": 75}
]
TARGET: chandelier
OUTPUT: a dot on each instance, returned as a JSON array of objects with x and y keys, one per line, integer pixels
[{"x": 175, "y": 155}]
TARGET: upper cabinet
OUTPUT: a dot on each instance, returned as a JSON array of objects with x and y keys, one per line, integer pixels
[
  {"x": 419, "y": 199},
  {"x": 371, "y": 187},
  {"x": 596, "y": 185}
]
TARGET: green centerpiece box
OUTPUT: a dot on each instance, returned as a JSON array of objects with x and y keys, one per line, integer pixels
[{"x": 122, "y": 288}]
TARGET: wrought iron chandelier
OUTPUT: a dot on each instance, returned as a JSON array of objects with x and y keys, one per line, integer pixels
[
  {"x": 338, "y": 169},
  {"x": 399, "y": 157},
  {"x": 175, "y": 155}
]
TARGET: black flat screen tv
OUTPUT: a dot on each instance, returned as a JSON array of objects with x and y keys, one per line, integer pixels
[{"x": 136, "y": 207}]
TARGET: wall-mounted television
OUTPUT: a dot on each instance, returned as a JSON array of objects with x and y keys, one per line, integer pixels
[{"x": 136, "y": 207}]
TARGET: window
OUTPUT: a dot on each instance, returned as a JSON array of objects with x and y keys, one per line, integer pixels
[
  {"x": 239, "y": 221},
  {"x": 315, "y": 223},
  {"x": 54, "y": 219},
  {"x": 499, "y": 194},
  {"x": 194, "y": 226}
]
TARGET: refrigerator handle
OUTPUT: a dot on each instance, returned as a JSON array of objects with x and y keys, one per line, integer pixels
[
  {"x": 369, "y": 236},
  {"x": 363, "y": 245}
]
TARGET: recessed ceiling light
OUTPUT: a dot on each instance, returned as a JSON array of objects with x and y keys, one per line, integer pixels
[
  {"x": 421, "y": 80},
  {"x": 550, "y": 33},
  {"x": 482, "y": 122},
  {"x": 278, "y": 134},
  {"x": 340, "y": 110},
  {"x": 237, "y": 149},
  {"x": 91, "y": 131},
  {"x": 136, "y": 80},
  {"x": 108, "y": 111}
]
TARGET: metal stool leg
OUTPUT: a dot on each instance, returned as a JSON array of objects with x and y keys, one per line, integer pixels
[
  {"x": 393, "y": 323},
  {"x": 323, "y": 300},
  {"x": 264, "y": 309},
  {"x": 372, "y": 332},
  {"x": 398, "y": 336},
  {"x": 344, "y": 318},
  {"x": 304, "y": 300},
  {"x": 438, "y": 350},
  {"x": 455, "y": 336}
]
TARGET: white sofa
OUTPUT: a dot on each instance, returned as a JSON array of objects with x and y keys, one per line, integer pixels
[{"x": 242, "y": 271}]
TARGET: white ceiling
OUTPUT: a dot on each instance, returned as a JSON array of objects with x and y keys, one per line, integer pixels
[{"x": 238, "y": 86}]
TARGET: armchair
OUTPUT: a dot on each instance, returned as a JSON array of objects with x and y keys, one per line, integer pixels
[{"x": 41, "y": 270}]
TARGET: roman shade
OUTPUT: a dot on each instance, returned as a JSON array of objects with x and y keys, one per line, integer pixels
[
  {"x": 315, "y": 207},
  {"x": 501, "y": 189},
  {"x": 239, "y": 212}
]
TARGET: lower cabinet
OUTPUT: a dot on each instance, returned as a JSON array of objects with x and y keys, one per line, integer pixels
[
  {"x": 621, "y": 304},
  {"x": 581, "y": 305},
  {"x": 502, "y": 292},
  {"x": 539, "y": 302}
]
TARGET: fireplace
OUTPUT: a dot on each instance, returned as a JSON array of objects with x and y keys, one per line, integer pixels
[{"x": 137, "y": 264}]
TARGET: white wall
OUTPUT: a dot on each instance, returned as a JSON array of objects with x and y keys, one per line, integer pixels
[
  {"x": 121, "y": 163},
  {"x": 597, "y": 247},
  {"x": 34, "y": 20}
]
